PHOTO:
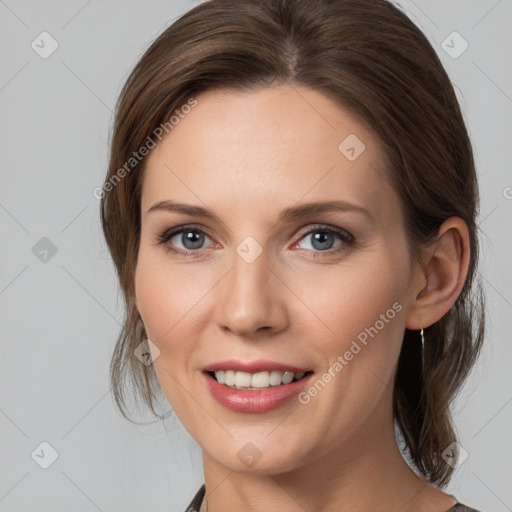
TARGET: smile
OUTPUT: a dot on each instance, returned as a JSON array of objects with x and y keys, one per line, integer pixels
[
  {"x": 254, "y": 387},
  {"x": 255, "y": 381}
]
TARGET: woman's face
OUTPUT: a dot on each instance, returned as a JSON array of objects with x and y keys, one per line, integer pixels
[{"x": 264, "y": 285}]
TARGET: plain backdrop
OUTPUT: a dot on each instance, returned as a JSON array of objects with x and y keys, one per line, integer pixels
[{"x": 60, "y": 311}]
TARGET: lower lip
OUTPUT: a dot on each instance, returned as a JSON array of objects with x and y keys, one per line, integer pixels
[{"x": 240, "y": 400}]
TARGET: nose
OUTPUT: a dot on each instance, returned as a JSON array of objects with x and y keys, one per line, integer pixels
[{"x": 252, "y": 299}]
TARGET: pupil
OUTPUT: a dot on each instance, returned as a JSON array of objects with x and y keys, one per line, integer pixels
[
  {"x": 318, "y": 237},
  {"x": 189, "y": 238}
]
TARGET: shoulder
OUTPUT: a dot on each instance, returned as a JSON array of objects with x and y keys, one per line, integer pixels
[
  {"x": 459, "y": 507},
  {"x": 195, "y": 504}
]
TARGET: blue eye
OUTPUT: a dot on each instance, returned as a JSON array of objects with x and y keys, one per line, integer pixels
[
  {"x": 193, "y": 238},
  {"x": 322, "y": 239}
]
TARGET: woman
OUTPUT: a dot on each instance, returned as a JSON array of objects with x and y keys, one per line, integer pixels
[{"x": 290, "y": 206}]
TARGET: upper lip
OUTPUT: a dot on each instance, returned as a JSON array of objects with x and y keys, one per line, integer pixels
[{"x": 257, "y": 366}]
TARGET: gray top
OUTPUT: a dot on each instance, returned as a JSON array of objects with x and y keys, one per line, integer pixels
[{"x": 195, "y": 504}]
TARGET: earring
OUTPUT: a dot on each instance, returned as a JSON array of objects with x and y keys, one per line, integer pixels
[{"x": 422, "y": 339}]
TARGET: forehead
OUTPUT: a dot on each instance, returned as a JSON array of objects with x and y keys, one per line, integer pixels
[{"x": 268, "y": 149}]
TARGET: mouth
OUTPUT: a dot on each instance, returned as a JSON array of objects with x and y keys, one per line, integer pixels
[{"x": 258, "y": 381}]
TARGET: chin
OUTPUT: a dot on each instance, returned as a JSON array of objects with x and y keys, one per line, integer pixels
[{"x": 258, "y": 456}]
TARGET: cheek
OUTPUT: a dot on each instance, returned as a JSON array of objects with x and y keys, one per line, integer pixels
[
  {"x": 362, "y": 310},
  {"x": 350, "y": 298},
  {"x": 166, "y": 293},
  {"x": 167, "y": 296}
]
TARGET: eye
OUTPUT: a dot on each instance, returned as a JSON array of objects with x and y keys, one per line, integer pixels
[
  {"x": 322, "y": 239},
  {"x": 191, "y": 239}
]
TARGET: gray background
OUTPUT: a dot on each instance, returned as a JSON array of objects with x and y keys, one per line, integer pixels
[{"x": 61, "y": 316}]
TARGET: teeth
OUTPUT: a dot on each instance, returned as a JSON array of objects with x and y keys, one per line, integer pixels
[
  {"x": 275, "y": 378},
  {"x": 287, "y": 377},
  {"x": 242, "y": 380},
  {"x": 260, "y": 380},
  {"x": 256, "y": 380}
]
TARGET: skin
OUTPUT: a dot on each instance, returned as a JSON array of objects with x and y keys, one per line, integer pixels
[{"x": 247, "y": 156}]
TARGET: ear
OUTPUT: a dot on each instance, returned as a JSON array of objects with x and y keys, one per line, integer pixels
[{"x": 442, "y": 276}]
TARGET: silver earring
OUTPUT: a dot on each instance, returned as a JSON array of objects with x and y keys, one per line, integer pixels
[{"x": 422, "y": 339}]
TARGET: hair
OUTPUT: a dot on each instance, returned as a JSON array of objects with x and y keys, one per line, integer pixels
[{"x": 368, "y": 57}]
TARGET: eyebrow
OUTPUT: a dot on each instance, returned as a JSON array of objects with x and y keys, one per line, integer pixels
[{"x": 288, "y": 214}]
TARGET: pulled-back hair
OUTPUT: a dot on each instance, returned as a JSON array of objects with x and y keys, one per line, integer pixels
[{"x": 368, "y": 57}]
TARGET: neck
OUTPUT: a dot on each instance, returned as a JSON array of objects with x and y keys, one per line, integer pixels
[{"x": 366, "y": 472}]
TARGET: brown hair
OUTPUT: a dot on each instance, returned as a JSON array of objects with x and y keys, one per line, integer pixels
[{"x": 367, "y": 56}]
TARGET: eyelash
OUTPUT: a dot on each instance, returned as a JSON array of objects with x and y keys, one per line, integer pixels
[{"x": 347, "y": 239}]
